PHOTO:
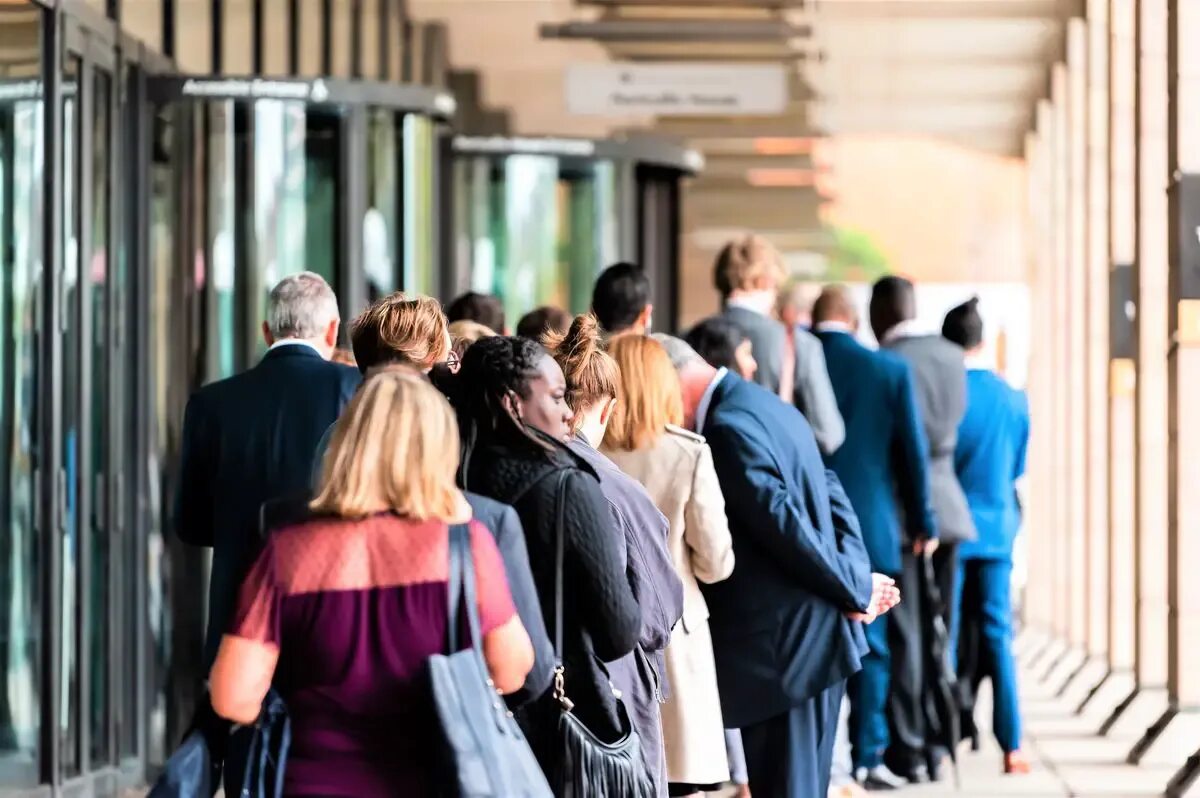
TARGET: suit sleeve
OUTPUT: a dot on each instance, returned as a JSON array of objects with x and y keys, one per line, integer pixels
[
  {"x": 706, "y": 528},
  {"x": 656, "y": 586},
  {"x": 767, "y": 346},
  {"x": 911, "y": 453},
  {"x": 814, "y": 394},
  {"x": 849, "y": 537},
  {"x": 592, "y": 563},
  {"x": 510, "y": 539},
  {"x": 194, "y": 499},
  {"x": 772, "y": 518}
]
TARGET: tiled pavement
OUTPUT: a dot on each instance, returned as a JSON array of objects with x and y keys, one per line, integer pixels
[{"x": 1069, "y": 757}]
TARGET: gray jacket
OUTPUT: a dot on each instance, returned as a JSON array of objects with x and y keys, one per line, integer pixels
[
  {"x": 940, "y": 380},
  {"x": 812, "y": 391}
]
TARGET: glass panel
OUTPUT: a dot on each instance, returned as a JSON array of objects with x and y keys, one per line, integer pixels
[
  {"x": 21, "y": 164},
  {"x": 381, "y": 223},
  {"x": 420, "y": 272},
  {"x": 71, "y": 335},
  {"x": 98, "y": 284},
  {"x": 528, "y": 273},
  {"x": 587, "y": 232},
  {"x": 217, "y": 285}
]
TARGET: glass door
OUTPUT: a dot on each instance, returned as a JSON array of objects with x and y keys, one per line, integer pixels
[
  {"x": 21, "y": 380},
  {"x": 96, "y": 667}
]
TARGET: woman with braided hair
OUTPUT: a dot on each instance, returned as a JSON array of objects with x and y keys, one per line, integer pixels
[{"x": 514, "y": 419}]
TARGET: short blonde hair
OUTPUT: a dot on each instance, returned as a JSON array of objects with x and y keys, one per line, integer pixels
[
  {"x": 400, "y": 329},
  {"x": 742, "y": 263},
  {"x": 394, "y": 448},
  {"x": 649, "y": 397},
  {"x": 465, "y": 332}
]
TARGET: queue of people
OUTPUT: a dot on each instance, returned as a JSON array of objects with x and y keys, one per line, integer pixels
[{"x": 693, "y": 548}]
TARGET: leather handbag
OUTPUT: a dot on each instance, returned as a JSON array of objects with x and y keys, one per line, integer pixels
[
  {"x": 268, "y": 755},
  {"x": 583, "y": 765},
  {"x": 484, "y": 753}
]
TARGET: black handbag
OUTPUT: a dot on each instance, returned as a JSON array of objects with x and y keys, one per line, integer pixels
[
  {"x": 484, "y": 753},
  {"x": 582, "y": 765},
  {"x": 268, "y": 754}
]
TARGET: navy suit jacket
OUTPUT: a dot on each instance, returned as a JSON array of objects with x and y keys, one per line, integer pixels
[
  {"x": 780, "y": 635},
  {"x": 248, "y": 439},
  {"x": 883, "y": 463}
]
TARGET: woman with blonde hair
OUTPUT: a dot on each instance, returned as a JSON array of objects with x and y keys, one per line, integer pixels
[
  {"x": 341, "y": 611},
  {"x": 676, "y": 467}
]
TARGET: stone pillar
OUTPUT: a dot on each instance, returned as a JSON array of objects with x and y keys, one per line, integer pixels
[
  {"x": 1122, "y": 599},
  {"x": 1074, "y": 318},
  {"x": 1150, "y": 289},
  {"x": 1060, "y": 264},
  {"x": 1096, "y": 344},
  {"x": 1183, "y": 356}
]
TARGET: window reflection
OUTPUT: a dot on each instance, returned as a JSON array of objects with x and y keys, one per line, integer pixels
[
  {"x": 381, "y": 221},
  {"x": 420, "y": 271},
  {"x": 21, "y": 165}
]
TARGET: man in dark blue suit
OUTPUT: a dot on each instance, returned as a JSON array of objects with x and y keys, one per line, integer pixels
[
  {"x": 786, "y": 626},
  {"x": 250, "y": 438},
  {"x": 883, "y": 465}
]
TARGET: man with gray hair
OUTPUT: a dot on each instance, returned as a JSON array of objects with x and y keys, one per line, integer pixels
[
  {"x": 786, "y": 626},
  {"x": 249, "y": 439}
]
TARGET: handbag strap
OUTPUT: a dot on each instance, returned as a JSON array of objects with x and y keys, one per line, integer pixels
[
  {"x": 560, "y": 510},
  {"x": 460, "y": 587}
]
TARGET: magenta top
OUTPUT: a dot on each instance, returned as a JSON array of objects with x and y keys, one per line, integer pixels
[{"x": 350, "y": 611}]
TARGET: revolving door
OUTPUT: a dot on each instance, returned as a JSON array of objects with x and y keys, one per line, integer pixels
[{"x": 275, "y": 177}]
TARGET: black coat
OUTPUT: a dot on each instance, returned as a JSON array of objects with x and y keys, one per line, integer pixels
[
  {"x": 601, "y": 621},
  {"x": 247, "y": 439}
]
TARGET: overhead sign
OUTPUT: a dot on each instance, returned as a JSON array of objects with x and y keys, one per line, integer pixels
[
  {"x": 257, "y": 88},
  {"x": 676, "y": 89}
]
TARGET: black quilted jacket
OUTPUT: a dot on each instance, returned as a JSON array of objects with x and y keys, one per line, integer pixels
[{"x": 601, "y": 621}]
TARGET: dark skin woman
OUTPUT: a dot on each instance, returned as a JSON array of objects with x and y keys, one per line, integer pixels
[{"x": 509, "y": 396}]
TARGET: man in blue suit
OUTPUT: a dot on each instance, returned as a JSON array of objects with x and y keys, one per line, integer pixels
[
  {"x": 786, "y": 626},
  {"x": 249, "y": 439},
  {"x": 883, "y": 465}
]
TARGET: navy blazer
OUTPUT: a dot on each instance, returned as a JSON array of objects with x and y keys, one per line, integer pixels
[
  {"x": 248, "y": 439},
  {"x": 883, "y": 463},
  {"x": 780, "y": 635}
]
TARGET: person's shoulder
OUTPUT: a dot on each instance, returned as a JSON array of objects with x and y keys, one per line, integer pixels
[{"x": 683, "y": 437}]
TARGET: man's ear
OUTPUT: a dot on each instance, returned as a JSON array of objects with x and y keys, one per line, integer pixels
[
  {"x": 266, "y": 333},
  {"x": 331, "y": 333},
  {"x": 644, "y": 318}
]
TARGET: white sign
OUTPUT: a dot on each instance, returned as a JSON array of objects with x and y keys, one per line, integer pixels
[
  {"x": 315, "y": 91},
  {"x": 676, "y": 89}
]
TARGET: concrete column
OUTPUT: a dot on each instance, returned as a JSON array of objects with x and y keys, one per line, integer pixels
[
  {"x": 1096, "y": 343},
  {"x": 1151, "y": 300},
  {"x": 1060, "y": 231},
  {"x": 1075, "y": 318},
  {"x": 1183, "y": 358},
  {"x": 1123, "y": 375}
]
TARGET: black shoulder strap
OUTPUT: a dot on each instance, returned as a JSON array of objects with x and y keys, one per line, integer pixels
[{"x": 559, "y": 534}]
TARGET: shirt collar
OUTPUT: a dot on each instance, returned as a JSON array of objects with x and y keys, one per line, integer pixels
[
  {"x": 282, "y": 342},
  {"x": 905, "y": 329},
  {"x": 706, "y": 399},
  {"x": 833, "y": 326},
  {"x": 978, "y": 362}
]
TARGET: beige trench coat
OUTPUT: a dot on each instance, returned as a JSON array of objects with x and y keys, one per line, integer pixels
[{"x": 677, "y": 471}]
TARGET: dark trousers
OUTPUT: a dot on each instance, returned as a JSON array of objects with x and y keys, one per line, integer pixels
[{"x": 791, "y": 755}]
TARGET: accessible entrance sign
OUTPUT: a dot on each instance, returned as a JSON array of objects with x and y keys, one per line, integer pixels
[{"x": 676, "y": 89}]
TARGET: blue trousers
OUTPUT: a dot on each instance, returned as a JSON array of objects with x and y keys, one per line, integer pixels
[
  {"x": 985, "y": 643},
  {"x": 869, "y": 733},
  {"x": 791, "y": 755}
]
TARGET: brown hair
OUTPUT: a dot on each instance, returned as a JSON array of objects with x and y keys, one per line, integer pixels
[
  {"x": 650, "y": 396},
  {"x": 834, "y": 303},
  {"x": 394, "y": 448},
  {"x": 536, "y": 323},
  {"x": 400, "y": 329},
  {"x": 742, "y": 263},
  {"x": 592, "y": 375}
]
